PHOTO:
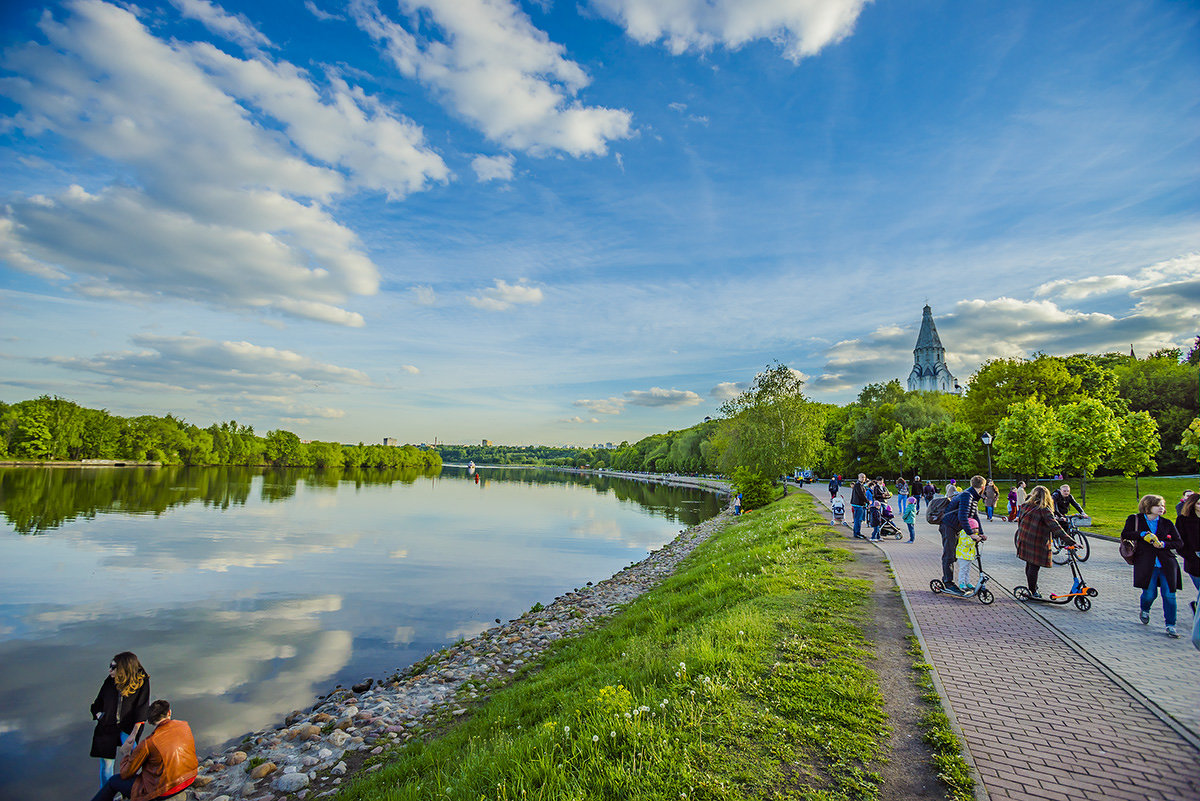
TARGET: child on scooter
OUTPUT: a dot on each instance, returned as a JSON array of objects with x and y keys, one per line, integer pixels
[{"x": 965, "y": 553}]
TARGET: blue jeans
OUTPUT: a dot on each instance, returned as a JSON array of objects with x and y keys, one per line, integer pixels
[
  {"x": 990, "y": 509},
  {"x": 859, "y": 513},
  {"x": 1159, "y": 579},
  {"x": 113, "y": 786},
  {"x": 917, "y": 500},
  {"x": 912, "y": 532},
  {"x": 901, "y": 502}
]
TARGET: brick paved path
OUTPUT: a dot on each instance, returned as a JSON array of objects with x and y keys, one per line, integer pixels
[{"x": 1054, "y": 703}]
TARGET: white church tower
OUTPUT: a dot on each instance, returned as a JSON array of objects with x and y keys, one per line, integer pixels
[{"x": 929, "y": 373}]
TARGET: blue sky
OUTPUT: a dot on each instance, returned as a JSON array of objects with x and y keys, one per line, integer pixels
[{"x": 578, "y": 222}]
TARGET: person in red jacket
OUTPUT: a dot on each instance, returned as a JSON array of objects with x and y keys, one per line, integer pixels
[{"x": 159, "y": 766}]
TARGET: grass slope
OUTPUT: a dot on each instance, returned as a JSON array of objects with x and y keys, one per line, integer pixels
[{"x": 744, "y": 675}]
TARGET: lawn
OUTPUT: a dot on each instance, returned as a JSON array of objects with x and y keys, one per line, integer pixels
[{"x": 744, "y": 675}]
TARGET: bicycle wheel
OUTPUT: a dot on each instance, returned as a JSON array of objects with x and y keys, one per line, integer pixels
[
  {"x": 1058, "y": 551},
  {"x": 1085, "y": 548}
]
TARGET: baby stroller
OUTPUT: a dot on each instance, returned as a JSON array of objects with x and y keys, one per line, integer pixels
[
  {"x": 976, "y": 579},
  {"x": 888, "y": 527}
]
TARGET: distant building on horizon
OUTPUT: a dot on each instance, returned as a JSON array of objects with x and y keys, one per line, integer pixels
[
  {"x": 391, "y": 442},
  {"x": 930, "y": 373},
  {"x": 487, "y": 442}
]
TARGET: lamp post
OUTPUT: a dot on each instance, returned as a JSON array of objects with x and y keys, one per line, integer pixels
[{"x": 986, "y": 439}]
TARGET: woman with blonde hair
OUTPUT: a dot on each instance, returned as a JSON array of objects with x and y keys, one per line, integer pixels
[
  {"x": 1155, "y": 568},
  {"x": 123, "y": 701},
  {"x": 1035, "y": 529}
]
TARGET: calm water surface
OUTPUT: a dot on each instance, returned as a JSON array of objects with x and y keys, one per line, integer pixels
[{"x": 246, "y": 592}]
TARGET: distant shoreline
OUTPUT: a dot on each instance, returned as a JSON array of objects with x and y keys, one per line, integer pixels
[{"x": 81, "y": 463}]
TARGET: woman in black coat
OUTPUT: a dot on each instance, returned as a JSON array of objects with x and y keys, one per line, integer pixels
[
  {"x": 123, "y": 701},
  {"x": 1154, "y": 566}
]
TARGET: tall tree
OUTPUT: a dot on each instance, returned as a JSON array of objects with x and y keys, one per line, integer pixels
[
  {"x": 1139, "y": 444},
  {"x": 1087, "y": 434},
  {"x": 770, "y": 428},
  {"x": 1025, "y": 438}
]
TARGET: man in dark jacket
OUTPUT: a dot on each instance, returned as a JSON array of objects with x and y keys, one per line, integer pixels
[
  {"x": 858, "y": 503},
  {"x": 1063, "y": 501},
  {"x": 835, "y": 484},
  {"x": 962, "y": 508}
]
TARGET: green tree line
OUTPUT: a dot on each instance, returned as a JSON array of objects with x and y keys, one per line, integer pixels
[{"x": 57, "y": 429}]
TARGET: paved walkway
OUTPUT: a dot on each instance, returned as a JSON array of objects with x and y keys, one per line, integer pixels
[{"x": 1054, "y": 703}]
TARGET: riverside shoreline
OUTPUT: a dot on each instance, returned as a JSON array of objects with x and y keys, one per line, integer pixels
[{"x": 312, "y": 752}]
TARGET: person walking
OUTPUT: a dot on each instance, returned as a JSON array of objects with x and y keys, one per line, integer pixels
[
  {"x": 1188, "y": 526},
  {"x": 990, "y": 496},
  {"x": 1019, "y": 491},
  {"x": 915, "y": 491},
  {"x": 901, "y": 495},
  {"x": 1035, "y": 531},
  {"x": 1155, "y": 569},
  {"x": 878, "y": 494},
  {"x": 835, "y": 484},
  {"x": 961, "y": 510},
  {"x": 929, "y": 492},
  {"x": 858, "y": 504},
  {"x": 951, "y": 488},
  {"x": 910, "y": 517},
  {"x": 123, "y": 700}
]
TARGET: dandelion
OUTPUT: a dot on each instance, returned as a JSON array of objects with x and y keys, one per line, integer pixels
[
  {"x": 612, "y": 734},
  {"x": 595, "y": 738},
  {"x": 741, "y": 633},
  {"x": 566, "y": 729}
]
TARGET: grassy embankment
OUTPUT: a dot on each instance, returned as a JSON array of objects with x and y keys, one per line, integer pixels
[
  {"x": 744, "y": 675},
  {"x": 1110, "y": 500}
]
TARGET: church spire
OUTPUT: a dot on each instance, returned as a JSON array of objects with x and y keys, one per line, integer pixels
[{"x": 930, "y": 373}]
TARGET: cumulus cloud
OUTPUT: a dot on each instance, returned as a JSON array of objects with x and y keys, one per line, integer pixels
[
  {"x": 728, "y": 390},
  {"x": 605, "y": 406},
  {"x": 662, "y": 398},
  {"x": 234, "y": 28},
  {"x": 226, "y": 163},
  {"x": 241, "y": 372},
  {"x": 798, "y": 27},
  {"x": 504, "y": 296},
  {"x": 1165, "y": 306},
  {"x": 577, "y": 420},
  {"x": 496, "y": 69},
  {"x": 410, "y": 369},
  {"x": 493, "y": 168}
]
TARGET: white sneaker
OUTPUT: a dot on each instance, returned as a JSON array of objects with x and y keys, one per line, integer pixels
[{"x": 1172, "y": 633}]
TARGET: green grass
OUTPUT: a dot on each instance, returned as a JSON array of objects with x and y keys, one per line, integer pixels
[
  {"x": 1111, "y": 500},
  {"x": 952, "y": 769},
  {"x": 743, "y": 676}
]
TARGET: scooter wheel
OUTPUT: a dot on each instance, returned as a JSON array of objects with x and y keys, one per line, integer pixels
[
  {"x": 1091, "y": 592},
  {"x": 985, "y": 596},
  {"x": 1021, "y": 593},
  {"x": 936, "y": 585},
  {"x": 1083, "y": 603}
]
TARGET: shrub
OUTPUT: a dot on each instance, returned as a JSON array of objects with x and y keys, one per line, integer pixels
[{"x": 756, "y": 488}]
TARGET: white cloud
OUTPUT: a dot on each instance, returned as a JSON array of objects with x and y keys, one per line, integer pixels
[
  {"x": 240, "y": 372},
  {"x": 728, "y": 390},
  {"x": 1166, "y": 306},
  {"x": 577, "y": 420},
  {"x": 493, "y": 168},
  {"x": 605, "y": 406},
  {"x": 424, "y": 295},
  {"x": 799, "y": 27},
  {"x": 319, "y": 13},
  {"x": 216, "y": 19},
  {"x": 504, "y": 296},
  {"x": 497, "y": 70},
  {"x": 216, "y": 204},
  {"x": 662, "y": 398},
  {"x": 410, "y": 369}
]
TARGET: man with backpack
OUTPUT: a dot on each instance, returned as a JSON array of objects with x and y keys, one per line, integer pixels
[{"x": 963, "y": 508}]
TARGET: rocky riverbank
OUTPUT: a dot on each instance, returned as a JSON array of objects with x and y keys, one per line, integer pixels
[{"x": 312, "y": 752}]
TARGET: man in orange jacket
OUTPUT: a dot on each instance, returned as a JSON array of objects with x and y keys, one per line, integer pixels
[{"x": 160, "y": 766}]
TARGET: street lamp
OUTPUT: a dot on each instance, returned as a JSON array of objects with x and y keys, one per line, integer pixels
[{"x": 986, "y": 439}]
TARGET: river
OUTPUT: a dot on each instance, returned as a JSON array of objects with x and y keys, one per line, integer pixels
[{"x": 247, "y": 592}]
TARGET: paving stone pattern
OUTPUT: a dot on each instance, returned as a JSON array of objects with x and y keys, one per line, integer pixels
[{"x": 1055, "y": 703}]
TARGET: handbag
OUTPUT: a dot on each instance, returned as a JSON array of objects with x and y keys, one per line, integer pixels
[{"x": 1126, "y": 549}]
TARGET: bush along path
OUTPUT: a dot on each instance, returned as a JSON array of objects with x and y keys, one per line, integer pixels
[{"x": 731, "y": 664}]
